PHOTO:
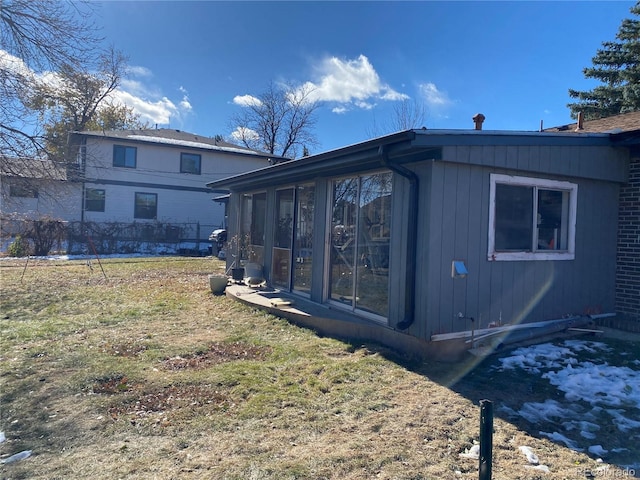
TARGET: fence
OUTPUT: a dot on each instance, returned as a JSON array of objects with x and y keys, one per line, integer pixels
[{"x": 119, "y": 238}]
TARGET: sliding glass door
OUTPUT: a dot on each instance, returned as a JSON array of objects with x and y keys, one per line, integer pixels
[
  {"x": 283, "y": 239},
  {"x": 303, "y": 240},
  {"x": 293, "y": 238}
]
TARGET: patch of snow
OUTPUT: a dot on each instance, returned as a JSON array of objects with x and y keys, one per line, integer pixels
[
  {"x": 597, "y": 450},
  {"x": 595, "y": 393},
  {"x": 188, "y": 143},
  {"x": 472, "y": 453},
  {"x": 545, "y": 412},
  {"x": 528, "y": 453},
  {"x": 17, "y": 457},
  {"x": 601, "y": 384},
  {"x": 558, "y": 437},
  {"x": 541, "y": 468}
]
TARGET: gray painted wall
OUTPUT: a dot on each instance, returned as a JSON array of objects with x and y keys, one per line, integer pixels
[
  {"x": 454, "y": 206},
  {"x": 453, "y": 225}
]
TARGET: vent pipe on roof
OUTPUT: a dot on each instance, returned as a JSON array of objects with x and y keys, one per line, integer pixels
[
  {"x": 478, "y": 118},
  {"x": 580, "y": 124}
]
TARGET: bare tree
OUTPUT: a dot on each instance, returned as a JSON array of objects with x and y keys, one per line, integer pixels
[
  {"x": 71, "y": 103},
  {"x": 280, "y": 121},
  {"x": 36, "y": 36},
  {"x": 406, "y": 115}
]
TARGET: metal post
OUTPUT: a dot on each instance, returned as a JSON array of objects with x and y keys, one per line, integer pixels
[
  {"x": 198, "y": 238},
  {"x": 486, "y": 439}
]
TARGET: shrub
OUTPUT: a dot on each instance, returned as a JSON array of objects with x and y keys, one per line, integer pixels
[
  {"x": 45, "y": 233},
  {"x": 19, "y": 247}
]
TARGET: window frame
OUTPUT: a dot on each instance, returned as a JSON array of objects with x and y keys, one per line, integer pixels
[
  {"x": 198, "y": 170},
  {"x": 103, "y": 201},
  {"x": 125, "y": 148},
  {"x": 135, "y": 206},
  {"x": 22, "y": 189},
  {"x": 536, "y": 184}
]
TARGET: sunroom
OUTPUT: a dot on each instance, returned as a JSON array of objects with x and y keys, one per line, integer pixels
[{"x": 436, "y": 234}]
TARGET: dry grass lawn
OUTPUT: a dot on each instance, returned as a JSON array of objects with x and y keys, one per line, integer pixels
[{"x": 142, "y": 373}]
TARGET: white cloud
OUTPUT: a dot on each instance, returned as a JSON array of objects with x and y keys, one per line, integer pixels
[
  {"x": 139, "y": 71},
  {"x": 364, "y": 105},
  {"x": 246, "y": 100},
  {"x": 13, "y": 64},
  {"x": 242, "y": 132},
  {"x": 149, "y": 102},
  {"x": 350, "y": 82},
  {"x": 432, "y": 96},
  {"x": 159, "y": 111},
  {"x": 185, "y": 104}
]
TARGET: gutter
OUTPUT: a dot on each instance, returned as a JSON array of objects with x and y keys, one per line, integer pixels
[{"x": 412, "y": 238}]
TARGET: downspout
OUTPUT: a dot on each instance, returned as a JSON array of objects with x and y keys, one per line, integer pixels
[{"x": 412, "y": 239}]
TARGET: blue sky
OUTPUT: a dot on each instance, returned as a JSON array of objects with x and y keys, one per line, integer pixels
[{"x": 193, "y": 62}]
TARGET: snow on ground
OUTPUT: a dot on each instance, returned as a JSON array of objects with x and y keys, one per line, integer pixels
[{"x": 596, "y": 397}]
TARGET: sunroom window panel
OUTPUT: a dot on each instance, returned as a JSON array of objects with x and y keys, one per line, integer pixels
[
  {"x": 360, "y": 239},
  {"x": 343, "y": 232},
  {"x": 374, "y": 220}
]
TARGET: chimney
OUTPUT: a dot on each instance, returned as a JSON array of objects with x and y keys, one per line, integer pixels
[
  {"x": 478, "y": 118},
  {"x": 580, "y": 124}
]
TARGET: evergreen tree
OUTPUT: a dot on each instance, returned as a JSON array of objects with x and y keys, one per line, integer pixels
[{"x": 617, "y": 66}]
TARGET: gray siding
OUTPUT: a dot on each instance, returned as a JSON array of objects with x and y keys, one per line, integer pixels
[
  {"x": 453, "y": 224},
  {"x": 455, "y": 204}
]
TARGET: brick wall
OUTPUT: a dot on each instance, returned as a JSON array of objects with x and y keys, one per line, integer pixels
[{"x": 628, "y": 261}]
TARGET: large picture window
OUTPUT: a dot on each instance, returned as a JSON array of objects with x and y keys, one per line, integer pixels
[
  {"x": 190, "y": 163},
  {"x": 94, "y": 200},
  {"x": 531, "y": 219},
  {"x": 146, "y": 206},
  {"x": 124, "y": 156},
  {"x": 360, "y": 243}
]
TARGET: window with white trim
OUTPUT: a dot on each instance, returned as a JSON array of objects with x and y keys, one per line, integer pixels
[{"x": 531, "y": 218}]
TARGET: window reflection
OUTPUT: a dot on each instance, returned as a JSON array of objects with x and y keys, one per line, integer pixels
[{"x": 360, "y": 236}]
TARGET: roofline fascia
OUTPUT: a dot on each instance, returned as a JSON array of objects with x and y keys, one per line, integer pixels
[
  {"x": 507, "y": 138},
  {"x": 365, "y": 153},
  {"x": 404, "y": 141}
]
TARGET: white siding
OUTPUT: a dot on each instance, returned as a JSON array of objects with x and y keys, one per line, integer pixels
[
  {"x": 57, "y": 199},
  {"x": 182, "y": 197}
]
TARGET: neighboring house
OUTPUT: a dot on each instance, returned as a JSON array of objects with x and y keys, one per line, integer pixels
[
  {"x": 131, "y": 188},
  {"x": 625, "y": 132},
  {"x": 439, "y": 235},
  {"x": 157, "y": 176},
  {"x": 33, "y": 188}
]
